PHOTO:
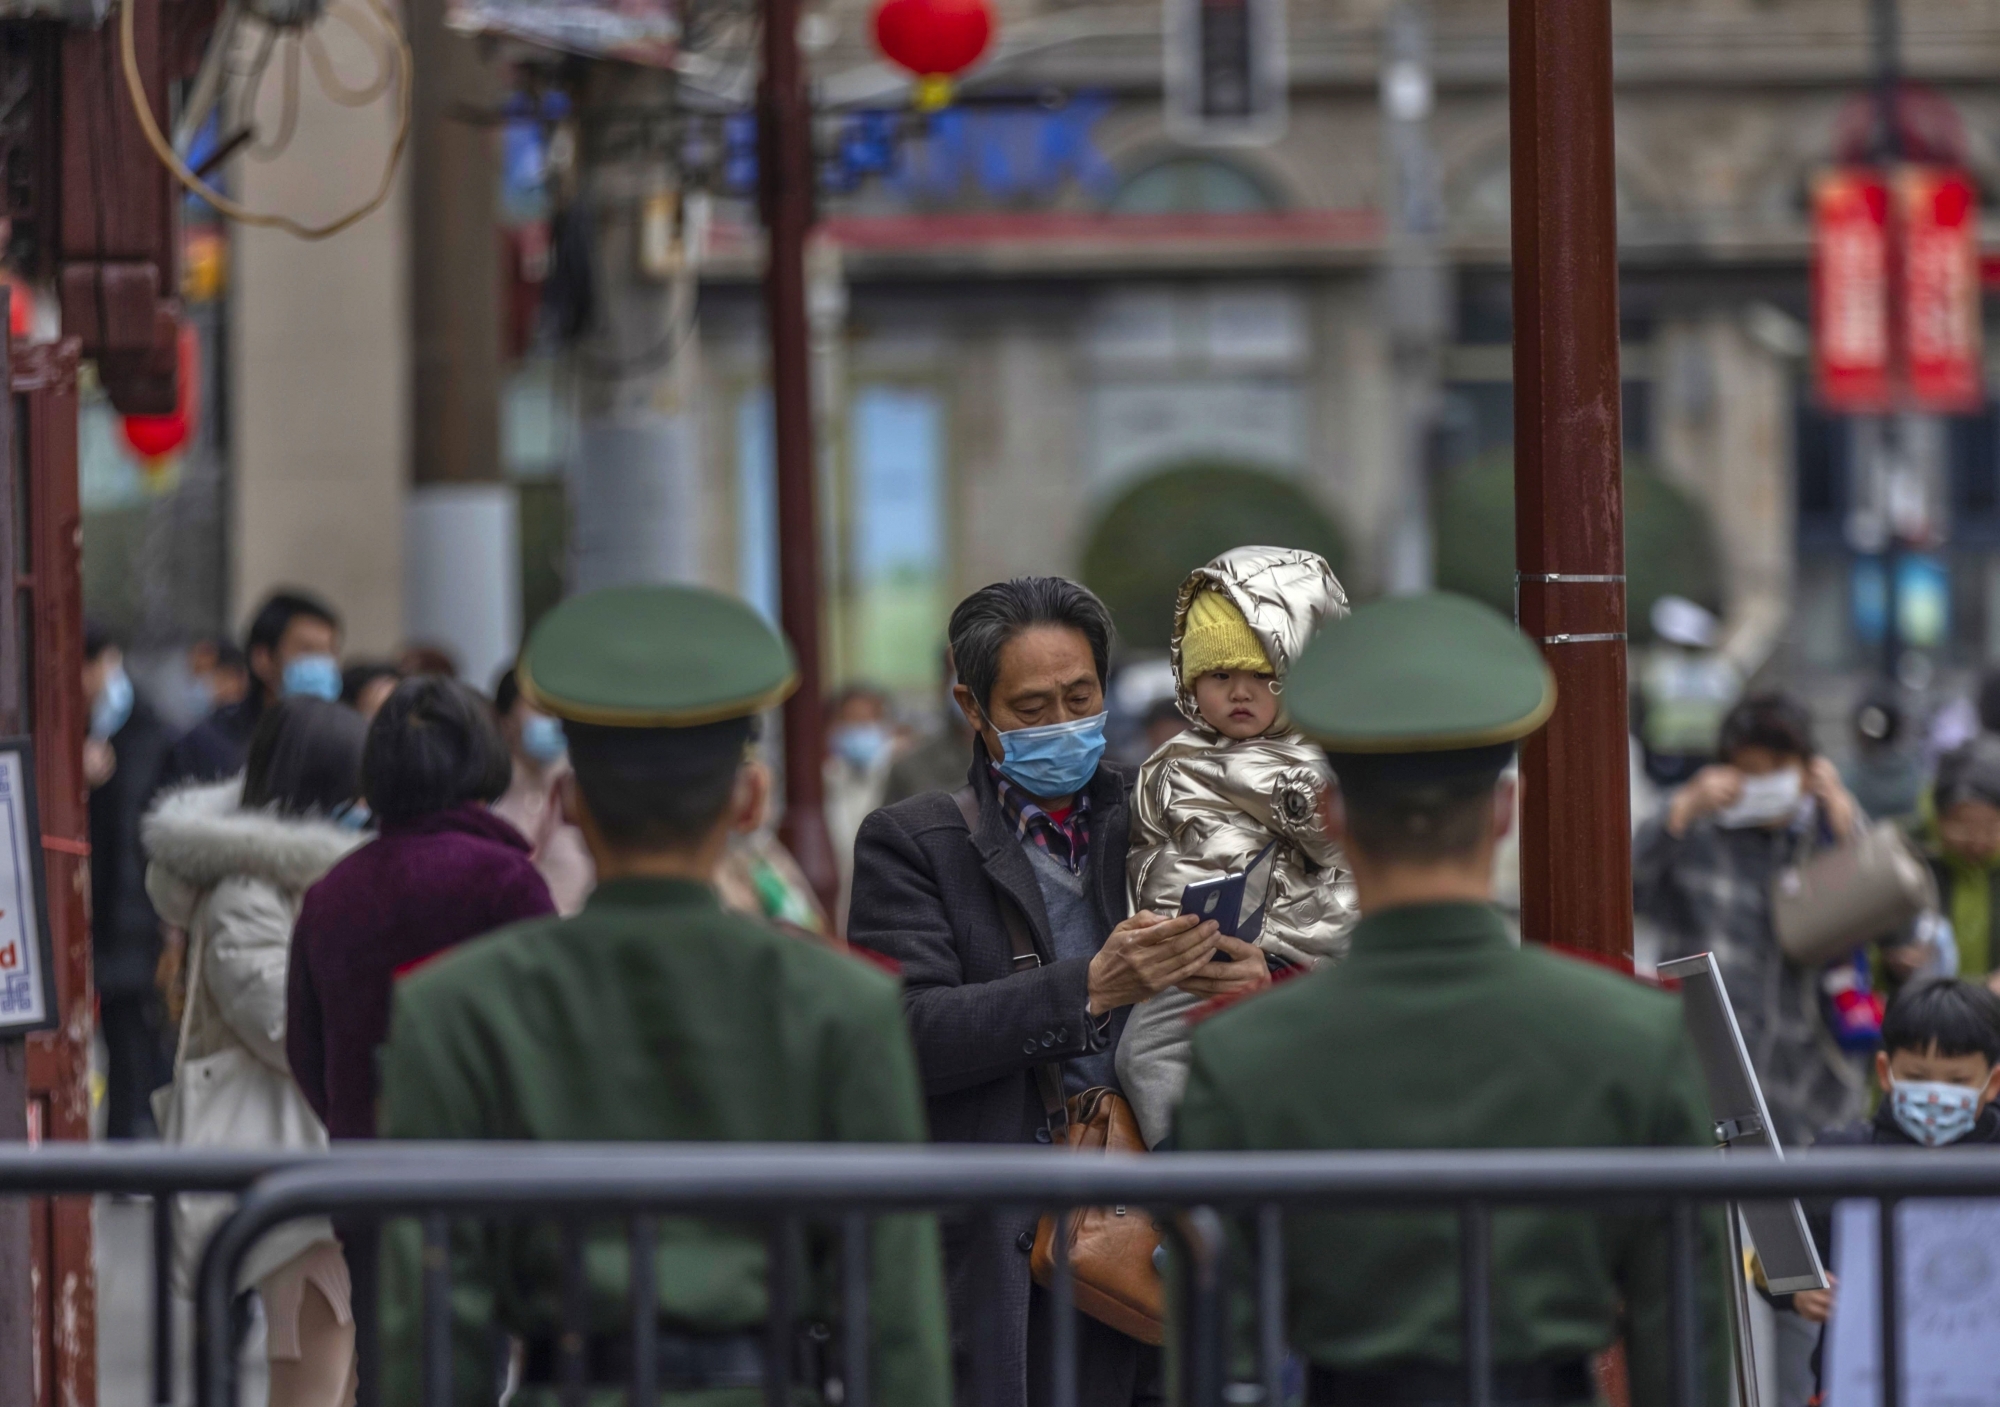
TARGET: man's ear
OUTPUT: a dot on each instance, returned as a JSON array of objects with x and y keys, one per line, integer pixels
[
  {"x": 570, "y": 800},
  {"x": 752, "y": 796},
  {"x": 1504, "y": 794},
  {"x": 968, "y": 706},
  {"x": 1333, "y": 813}
]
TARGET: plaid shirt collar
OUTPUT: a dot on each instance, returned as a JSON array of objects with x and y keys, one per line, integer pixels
[{"x": 1067, "y": 840}]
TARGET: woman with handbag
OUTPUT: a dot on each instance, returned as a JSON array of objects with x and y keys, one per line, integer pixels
[
  {"x": 1717, "y": 868},
  {"x": 230, "y": 864}
]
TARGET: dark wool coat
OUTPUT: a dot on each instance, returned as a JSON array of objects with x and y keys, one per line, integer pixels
[
  {"x": 927, "y": 895},
  {"x": 418, "y": 888}
]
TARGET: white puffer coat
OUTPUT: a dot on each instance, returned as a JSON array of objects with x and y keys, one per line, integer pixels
[{"x": 234, "y": 880}]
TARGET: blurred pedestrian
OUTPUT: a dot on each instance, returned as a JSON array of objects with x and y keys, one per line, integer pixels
[
  {"x": 231, "y": 862},
  {"x": 1438, "y": 1031},
  {"x": 216, "y": 675},
  {"x": 533, "y": 799},
  {"x": 759, "y": 877},
  {"x": 937, "y": 762},
  {"x": 1164, "y": 722},
  {"x": 1704, "y": 870},
  {"x": 860, "y": 744},
  {"x": 1019, "y": 955},
  {"x": 293, "y": 649},
  {"x": 655, "y": 1016},
  {"x": 1238, "y": 792},
  {"x": 1685, "y": 687},
  {"x": 1959, "y": 830},
  {"x": 443, "y": 868},
  {"x": 1885, "y": 776},
  {"x": 366, "y": 685},
  {"x": 421, "y": 657},
  {"x": 124, "y": 753}
]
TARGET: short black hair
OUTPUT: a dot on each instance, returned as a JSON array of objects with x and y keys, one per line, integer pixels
[
  {"x": 1772, "y": 721},
  {"x": 658, "y": 788},
  {"x": 1969, "y": 772},
  {"x": 97, "y": 638},
  {"x": 228, "y": 654},
  {"x": 986, "y": 620},
  {"x": 433, "y": 747},
  {"x": 507, "y": 691},
  {"x": 1419, "y": 807},
  {"x": 1944, "y": 1015},
  {"x": 355, "y": 679},
  {"x": 305, "y": 758},
  {"x": 277, "y": 613}
]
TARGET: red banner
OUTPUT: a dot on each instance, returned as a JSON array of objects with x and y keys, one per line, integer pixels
[
  {"x": 1938, "y": 216},
  {"x": 1851, "y": 290}
]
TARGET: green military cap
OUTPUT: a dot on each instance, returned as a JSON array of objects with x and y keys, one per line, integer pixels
[
  {"x": 655, "y": 657},
  {"x": 1414, "y": 674}
]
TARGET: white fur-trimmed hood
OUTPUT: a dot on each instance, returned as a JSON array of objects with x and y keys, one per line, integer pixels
[{"x": 201, "y": 835}]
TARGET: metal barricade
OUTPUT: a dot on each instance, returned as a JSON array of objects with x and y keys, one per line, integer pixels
[{"x": 849, "y": 1186}]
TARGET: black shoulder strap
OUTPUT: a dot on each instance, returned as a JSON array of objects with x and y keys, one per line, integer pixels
[{"x": 1048, "y": 1077}]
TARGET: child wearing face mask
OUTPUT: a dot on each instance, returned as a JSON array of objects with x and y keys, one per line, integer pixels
[
  {"x": 1939, "y": 1073},
  {"x": 1240, "y": 782}
]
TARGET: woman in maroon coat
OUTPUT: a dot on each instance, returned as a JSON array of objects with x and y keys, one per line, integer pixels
[{"x": 443, "y": 869}]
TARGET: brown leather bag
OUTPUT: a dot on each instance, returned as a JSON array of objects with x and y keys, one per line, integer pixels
[
  {"x": 1110, "y": 1248},
  {"x": 1112, "y": 1271}
]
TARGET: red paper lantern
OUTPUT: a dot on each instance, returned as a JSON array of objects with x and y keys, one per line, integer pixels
[
  {"x": 156, "y": 436},
  {"x": 934, "y": 38}
]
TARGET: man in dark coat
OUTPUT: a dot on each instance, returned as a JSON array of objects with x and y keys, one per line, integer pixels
[
  {"x": 1048, "y": 843},
  {"x": 293, "y": 648},
  {"x": 122, "y": 759}
]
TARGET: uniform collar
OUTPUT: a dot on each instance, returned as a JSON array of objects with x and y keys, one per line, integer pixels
[
  {"x": 645, "y": 892},
  {"x": 1430, "y": 927}
]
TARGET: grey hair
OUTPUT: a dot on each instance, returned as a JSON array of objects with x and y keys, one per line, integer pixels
[{"x": 986, "y": 620}]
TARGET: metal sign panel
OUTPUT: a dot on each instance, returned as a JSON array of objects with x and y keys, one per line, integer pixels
[
  {"x": 1937, "y": 212},
  {"x": 1791, "y": 1261},
  {"x": 1851, "y": 290}
]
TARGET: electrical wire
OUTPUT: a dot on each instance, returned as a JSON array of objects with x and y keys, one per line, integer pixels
[
  {"x": 329, "y": 81},
  {"x": 288, "y": 112},
  {"x": 143, "y": 109}
]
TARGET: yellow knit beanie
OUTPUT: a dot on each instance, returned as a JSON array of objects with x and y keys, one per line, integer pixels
[{"x": 1217, "y": 637}]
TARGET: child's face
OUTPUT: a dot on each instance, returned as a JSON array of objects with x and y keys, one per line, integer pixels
[
  {"x": 1972, "y": 1071},
  {"x": 1237, "y": 703},
  {"x": 1970, "y": 830}
]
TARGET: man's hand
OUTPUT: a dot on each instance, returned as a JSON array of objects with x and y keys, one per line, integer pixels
[
  {"x": 1710, "y": 790},
  {"x": 1815, "y": 1306},
  {"x": 1836, "y": 802},
  {"x": 1246, "y": 971},
  {"x": 1902, "y": 960},
  {"x": 1145, "y": 955}
]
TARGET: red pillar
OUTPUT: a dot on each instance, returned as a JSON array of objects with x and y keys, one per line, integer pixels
[
  {"x": 785, "y": 171},
  {"x": 1569, "y": 518}
]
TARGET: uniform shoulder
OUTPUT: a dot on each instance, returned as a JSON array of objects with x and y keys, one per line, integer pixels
[
  {"x": 467, "y": 973},
  {"x": 1268, "y": 1022},
  {"x": 1590, "y": 993}
]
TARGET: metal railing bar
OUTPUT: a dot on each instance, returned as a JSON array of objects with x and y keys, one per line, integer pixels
[
  {"x": 1890, "y": 1293},
  {"x": 361, "y": 1243},
  {"x": 437, "y": 1325},
  {"x": 781, "y": 1321},
  {"x": 1204, "y": 1247},
  {"x": 643, "y": 1238},
  {"x": 573, "y": 1342},
  {"x": 751, "y": 1179},
  {"x": 1062, "y": 1315},
  {"x": 1271, "y": 1302},
  {"x": 163, "y": 1299},
  {"x": 1683, "y": 1321},
  {"x": 1475, "y": 1302},
  {"x": 855, "y": 1316}
]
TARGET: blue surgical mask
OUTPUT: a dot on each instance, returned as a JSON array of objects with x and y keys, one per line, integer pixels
[
  {"x": 862, "y": 745},
  {"x": 313, "y": 677},
  {"x": 542, "y": 738},
  {"x": 354, "y": 816},
  {"x": 1931, "y": 1112},
  {"x": 1056, "y": 759},
  {"x": 113, "y": 705}
]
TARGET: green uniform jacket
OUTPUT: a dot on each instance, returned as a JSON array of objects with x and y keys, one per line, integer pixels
[
  {"x": 1437, "y": 1032},
  {"x": 654, "y": 1016}
]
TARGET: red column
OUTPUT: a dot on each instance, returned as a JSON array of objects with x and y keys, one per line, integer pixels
[
  {"x": 1569, "y": 530},
  {"x": 785, "y": 172}
]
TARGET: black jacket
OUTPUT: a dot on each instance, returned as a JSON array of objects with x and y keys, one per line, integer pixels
[
  {"x": 124, "y": 933},
  {"x": 928, "y": 896},
  {"x": 217, "y": 746}
]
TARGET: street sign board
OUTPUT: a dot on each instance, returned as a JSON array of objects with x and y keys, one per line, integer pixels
[
  {"x": 1851, "y": 290},
  {"x": 27, "y": 958},
  {"x": 1937, "y": 213}
]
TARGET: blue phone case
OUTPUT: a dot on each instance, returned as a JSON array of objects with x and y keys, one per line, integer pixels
[{"x": 1224, "y": 899}]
